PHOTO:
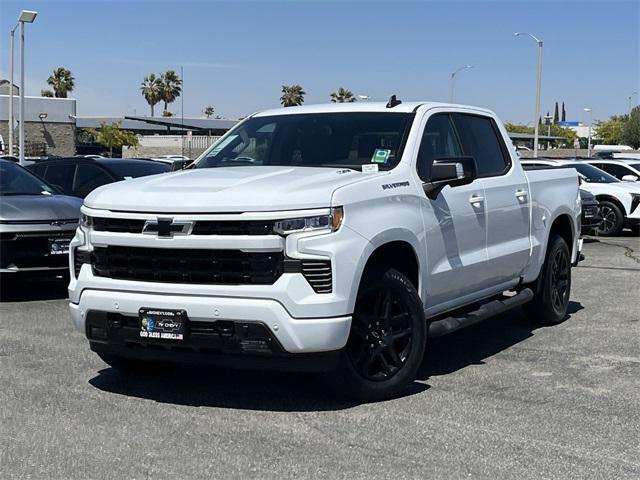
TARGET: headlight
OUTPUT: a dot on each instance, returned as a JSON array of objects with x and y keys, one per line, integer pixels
[
  {"x": 86, "y": 221},
  {"x": 329, "y": 223}
]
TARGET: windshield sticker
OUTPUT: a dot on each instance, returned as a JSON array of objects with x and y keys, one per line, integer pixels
[
  {"x": 381, "y": 155},
  {"x": 221, "y": 145},
  {"x": 370, "y": 168}
]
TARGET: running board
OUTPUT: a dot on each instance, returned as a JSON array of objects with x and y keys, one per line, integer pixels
[{"x": 489, "y": 309}]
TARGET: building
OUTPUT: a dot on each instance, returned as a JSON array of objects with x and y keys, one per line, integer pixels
[{"x": 49, "y": 124}]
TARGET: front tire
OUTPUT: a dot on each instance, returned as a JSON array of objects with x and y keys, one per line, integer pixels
[
  {"x": 612, "y": 219},
  {"x": 551, "y": 302},
  {"x": 387, "y": 340}
]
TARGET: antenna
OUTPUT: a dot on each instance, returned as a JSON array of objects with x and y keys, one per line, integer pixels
[{"x": 393, "y": 102}]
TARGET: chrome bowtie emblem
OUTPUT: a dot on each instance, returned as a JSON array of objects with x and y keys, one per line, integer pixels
[{"x": 166, "y": 227}]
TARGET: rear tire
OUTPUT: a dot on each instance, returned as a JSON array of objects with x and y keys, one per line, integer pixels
[
  {"x": 551, "y": 302},
  {"x": 387, "y": 340},
  {"x": 612, "y": 219}
]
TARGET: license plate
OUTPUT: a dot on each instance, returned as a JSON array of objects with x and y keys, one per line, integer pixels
[
  {"x": 58, "y": 246},
  {"x": 162, "y": 324}
]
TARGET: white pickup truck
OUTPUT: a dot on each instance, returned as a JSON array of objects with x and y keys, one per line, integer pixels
[{"x": 331, "y": 237}]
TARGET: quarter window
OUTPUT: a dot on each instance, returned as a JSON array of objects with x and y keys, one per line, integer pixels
[
  {"x": 479, "y": 137},
  {"x": 439, "y": 140}
]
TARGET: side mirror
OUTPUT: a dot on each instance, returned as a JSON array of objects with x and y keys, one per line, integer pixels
[
  {"x": 629, "y": 178},
  {"x": 180, "y": 164},
  {"x": 452, "y": 171}
]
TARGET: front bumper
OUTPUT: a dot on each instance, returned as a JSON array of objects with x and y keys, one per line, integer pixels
[{"x": 293, "y": 335}]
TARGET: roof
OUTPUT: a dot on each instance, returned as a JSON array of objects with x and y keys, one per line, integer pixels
[
  {"x": 531, "y": 136},
  {"x": 404, "y": 107}
]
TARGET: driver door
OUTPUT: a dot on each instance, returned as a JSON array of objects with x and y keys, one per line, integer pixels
[{"x": 455, "y": 223}]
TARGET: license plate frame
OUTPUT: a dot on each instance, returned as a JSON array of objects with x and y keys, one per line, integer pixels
[{"x": 162, "y": 324}]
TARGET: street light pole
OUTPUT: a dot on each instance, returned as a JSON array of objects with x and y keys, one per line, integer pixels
[
  {"x": 547, "y": 120},
  {"x": 26, "y": 16},
  {"x": 538, "y": 87},
  {"x": 590, "y": 122},
  {"x": 452, "y": 82},
  {"x": 11, "y": 122}
]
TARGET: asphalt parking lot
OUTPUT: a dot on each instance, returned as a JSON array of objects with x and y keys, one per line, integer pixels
[{"x": 502, "y": 399}]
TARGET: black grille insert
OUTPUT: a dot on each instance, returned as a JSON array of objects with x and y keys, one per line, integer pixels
[
  {"x": 31, "y": 250},
  {"x": 187, "y": 266},
  {"x": 319, "y": 275}
]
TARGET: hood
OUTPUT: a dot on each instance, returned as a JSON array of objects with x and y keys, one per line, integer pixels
[
  {"x": 226, "y": 189},
  {"x": 617, "y": 188},
  {"x": 31, "y": 208}
]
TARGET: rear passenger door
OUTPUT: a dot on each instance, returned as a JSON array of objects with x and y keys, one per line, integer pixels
[{"x": 506, "y": 195}]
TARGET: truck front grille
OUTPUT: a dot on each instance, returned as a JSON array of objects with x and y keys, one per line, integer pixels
[
  {"x": 31, "y": 250},
  {"x": 201, "y": 227},
  {"x": 187, "y": 266}
]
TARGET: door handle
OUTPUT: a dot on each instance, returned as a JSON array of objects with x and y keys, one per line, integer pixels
[
  {"x": 521, "y": 195},
  {"x": 476, "y": 199}
]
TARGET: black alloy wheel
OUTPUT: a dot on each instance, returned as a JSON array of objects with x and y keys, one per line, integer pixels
[
  {"x": 381, "y": 335},
  {"x": 560, "y": 281},
  {"x": 612, "y": 219}
]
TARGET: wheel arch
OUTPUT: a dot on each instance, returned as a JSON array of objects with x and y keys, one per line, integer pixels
[
  {"x": 398, "y": 252},
  {"x": 612, "y": 199}
]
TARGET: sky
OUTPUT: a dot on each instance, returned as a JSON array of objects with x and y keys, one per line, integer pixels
[{"x": 237, "y": 55}]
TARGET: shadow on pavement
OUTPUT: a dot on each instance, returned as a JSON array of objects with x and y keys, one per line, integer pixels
[
  {"x": 21, "y": 288},
  {"x": 472, "y": 345},
  {"x": 236, "y": 389}
]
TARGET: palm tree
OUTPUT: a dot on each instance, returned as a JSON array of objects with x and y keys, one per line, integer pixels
[
  {"x": 150, "y": 88},
  {"x": 171, "y": 87},
  {"x": 208, "y": 111},
  {"x": 342, "y": 96},
  {"x": 61, "y": 81},
  {"x": 292, "y": 95}
]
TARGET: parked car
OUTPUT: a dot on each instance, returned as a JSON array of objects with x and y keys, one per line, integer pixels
[
  {"x": 78, "y": 176},
  {"x": 36, "y": 223},
  {"x": 627, "y": 170},
  {"x": 591, "y": 217},
  {"x": 619, "y": 201},
  {"x": 331, "y": 237}
]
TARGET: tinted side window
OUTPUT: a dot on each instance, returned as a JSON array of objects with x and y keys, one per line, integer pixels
[
  {"x": 617, "y": 171},
  {"x": 38, "y": 170},
  {"x": 88, "y": 178},
  {"x": 439, "y": 140},
  {"x": 61, "y": 175},
  {"x": 479, "y": 137}
]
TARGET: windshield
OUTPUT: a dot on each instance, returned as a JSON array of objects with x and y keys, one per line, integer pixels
[
  {"x": 336, "y": 140},
  {"x": 15, "y": 180},
  {"x": 124, "y": 169},
  {"x": 591, "y": 174}
]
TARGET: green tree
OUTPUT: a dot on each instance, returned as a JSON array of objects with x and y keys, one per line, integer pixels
[
  {"x": 518, "y": 128},
  {"x": 171, "y": 87},
  {"x": 167, "y": 113},
  {"x": 631, "y": 130},
  {"x": 150, "y": 88},
  {"x": 609, "y": 132},
  {"x": 342, "y": 95},
  {"x": 112, "y": 136},
  {"x": 46, "y": 93},
  {"x": 564, "y": 114},
  {"x": 292, "y": 95},
  {"x": 208, "y": 111},
  {"x": 62, "y": 82},
  {"x": 556, "y": 117}
]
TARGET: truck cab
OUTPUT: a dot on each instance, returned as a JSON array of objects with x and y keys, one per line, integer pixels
[{"x": 330, "y": 237}]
